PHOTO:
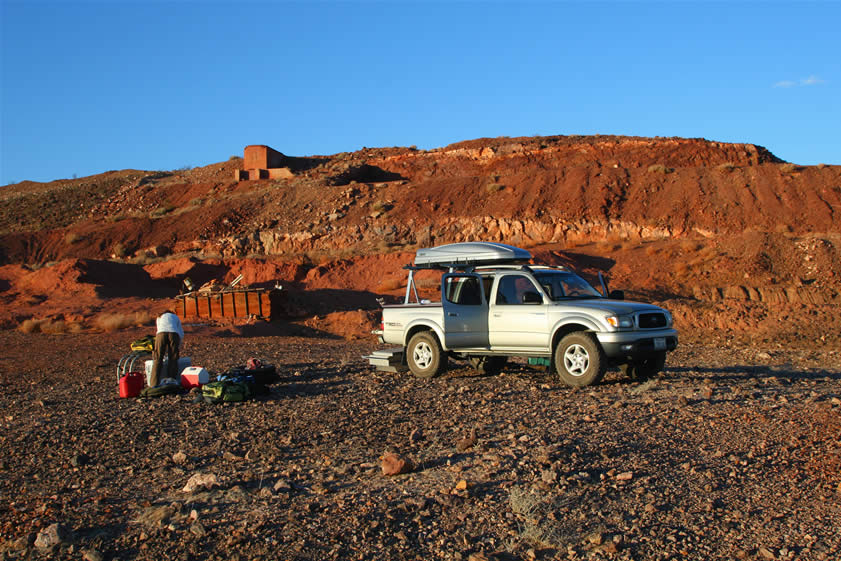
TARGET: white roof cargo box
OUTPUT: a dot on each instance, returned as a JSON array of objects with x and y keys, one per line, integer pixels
[{"x": 470, "y": 253}]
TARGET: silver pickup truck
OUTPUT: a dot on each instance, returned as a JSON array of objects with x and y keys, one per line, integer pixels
[{"x": 494, "y": 305}]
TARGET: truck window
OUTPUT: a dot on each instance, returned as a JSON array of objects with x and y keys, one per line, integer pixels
[
  {"x": 512, "y": 288},
  {"x": 464, "y": 291}
]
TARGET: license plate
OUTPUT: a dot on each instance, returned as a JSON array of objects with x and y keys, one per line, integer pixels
[{"x": 659, "y": 343}]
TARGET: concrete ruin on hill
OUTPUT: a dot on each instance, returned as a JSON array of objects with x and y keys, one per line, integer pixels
[{"x": 262, "y": 162}]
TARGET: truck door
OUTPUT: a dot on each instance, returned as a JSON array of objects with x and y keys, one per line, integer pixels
[
  {"x": 518, "y": 318},
  {"x": 465, "y": 311}
]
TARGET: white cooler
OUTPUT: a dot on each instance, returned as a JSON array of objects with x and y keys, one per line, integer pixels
[
  {"x": 194, "y": 377},
  {"x": 183, "y": 362}
]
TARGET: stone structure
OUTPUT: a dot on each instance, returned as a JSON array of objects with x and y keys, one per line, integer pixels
[{"x": 263, "y": 162}]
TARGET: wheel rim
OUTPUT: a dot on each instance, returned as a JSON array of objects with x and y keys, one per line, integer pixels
[
  {"x": 422, "y": 355},
  {"x": 576, "y": 360}
]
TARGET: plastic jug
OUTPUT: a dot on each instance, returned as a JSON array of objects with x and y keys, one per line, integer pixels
[{"x": 131, "y": 384}]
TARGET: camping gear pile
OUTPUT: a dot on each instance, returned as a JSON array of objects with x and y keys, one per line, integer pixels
[{"x": 238, "y": 383}]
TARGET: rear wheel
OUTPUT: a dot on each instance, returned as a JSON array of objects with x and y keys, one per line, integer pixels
[
  {"x": 646, "y": 367},
  {"x": 425, "y": 356},
  {"x": 490, "y": 365},
  {"x": 580, "y": 360}
]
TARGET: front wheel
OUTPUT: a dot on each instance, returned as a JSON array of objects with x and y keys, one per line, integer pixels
[
  {"x": 424, "y": 354},
  {"x": 580, "y": 360},
  {"x": 645, "y": 368}
]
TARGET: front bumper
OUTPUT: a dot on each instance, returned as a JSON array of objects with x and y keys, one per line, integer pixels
[{"x": 630, "y": 344}]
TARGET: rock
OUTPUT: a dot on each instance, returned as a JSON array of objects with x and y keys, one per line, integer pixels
[
  {"x": 179, "y": 458},
  {"x": 282, "y": 486},
  {"x": 200, "y": 481},
  {"x": 467, "y": 442},
  {"x": 230, "y": 456},
  {"x": 197, "y": 529},
  {"x": 596, "y": 538},
  {"x": 392, "y": 463},
  {"x": 92, "y": 555},
  {"x": 625, "y": 476},
  {"x": 766, "y": 553},
  {"x": 548, "y": 476},
  {"x": 461, "y": 485},
  {"x": 79, "y": 460},
  {"x": 53, "y": 534},
  {"x": 610, "y": 548},
  {"x": 416, "y": 436}
]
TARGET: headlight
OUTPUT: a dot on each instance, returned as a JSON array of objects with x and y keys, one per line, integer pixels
[
  {"x": 668, "y": 318},
  {"x": 620, "y": 321}
]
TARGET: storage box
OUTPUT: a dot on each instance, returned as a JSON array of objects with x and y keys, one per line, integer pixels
[
  {"x": 194, "y": 377},
  {"x": 183, "y": 363}
]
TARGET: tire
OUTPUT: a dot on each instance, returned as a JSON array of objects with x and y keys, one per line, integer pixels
[
  {"x": 645, "y": 368},
  {"x": 489, "y": 365},
  {"x": 424, "y": 354},
  {"x": 580, "y": 360}
]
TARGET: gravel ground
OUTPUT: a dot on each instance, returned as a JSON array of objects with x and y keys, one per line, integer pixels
[{"x": 731, "y": 453}]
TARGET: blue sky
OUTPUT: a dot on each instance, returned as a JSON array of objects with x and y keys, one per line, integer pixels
[{"x": 94, "y": 86}]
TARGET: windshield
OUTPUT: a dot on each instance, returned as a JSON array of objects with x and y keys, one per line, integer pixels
[{"x": 560, "y": 285}]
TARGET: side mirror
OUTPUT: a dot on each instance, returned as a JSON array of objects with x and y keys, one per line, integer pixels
[
  {"x": 532, "y": 298},
  {"x": 617, "y": 295}
]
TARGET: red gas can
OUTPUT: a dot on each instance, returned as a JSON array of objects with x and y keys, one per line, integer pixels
[{"x": 131, "y": 384}]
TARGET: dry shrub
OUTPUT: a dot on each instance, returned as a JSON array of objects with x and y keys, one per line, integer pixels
[
  {"x": 71, "y": 237},
  {"x": 726, "y": 166},
  {"x": 391, "y": 284},
  {"x": 652, "y": 250},
  {"x": 381, "y": 206},
  {"x": 118, "y": 250},
  {"x": 788, "y": 167},
  {"x": 681, "y": 269},
  {"x": 54, "y": 326},
  {"x": 659, "y": 168},
  {"x": 51, "y": 326},
  {"x": 689, "y": 245},
  {"x": 115, "y": 321},
  {"x": 494, "y": 187},
  {"x": 30, "y": 326},
  {"x": 161, "y": 211},
  {"x": 821, "y": 166}
]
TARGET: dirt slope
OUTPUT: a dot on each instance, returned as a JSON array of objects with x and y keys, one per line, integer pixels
[{"x": 726, "y": 234}]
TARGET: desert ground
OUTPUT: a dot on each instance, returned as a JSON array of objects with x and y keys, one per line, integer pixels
[{"x": 733, "y": 452}]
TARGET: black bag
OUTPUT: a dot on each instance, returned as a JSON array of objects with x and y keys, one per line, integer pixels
[{"x": 158, "y": 391}]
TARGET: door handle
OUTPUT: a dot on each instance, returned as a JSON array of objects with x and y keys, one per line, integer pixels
[
  {"x": 452, "y": 314},
  {"x": 497, "y": 315}
]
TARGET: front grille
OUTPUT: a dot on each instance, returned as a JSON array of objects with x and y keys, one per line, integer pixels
[{"x": 652, "y": 321}]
